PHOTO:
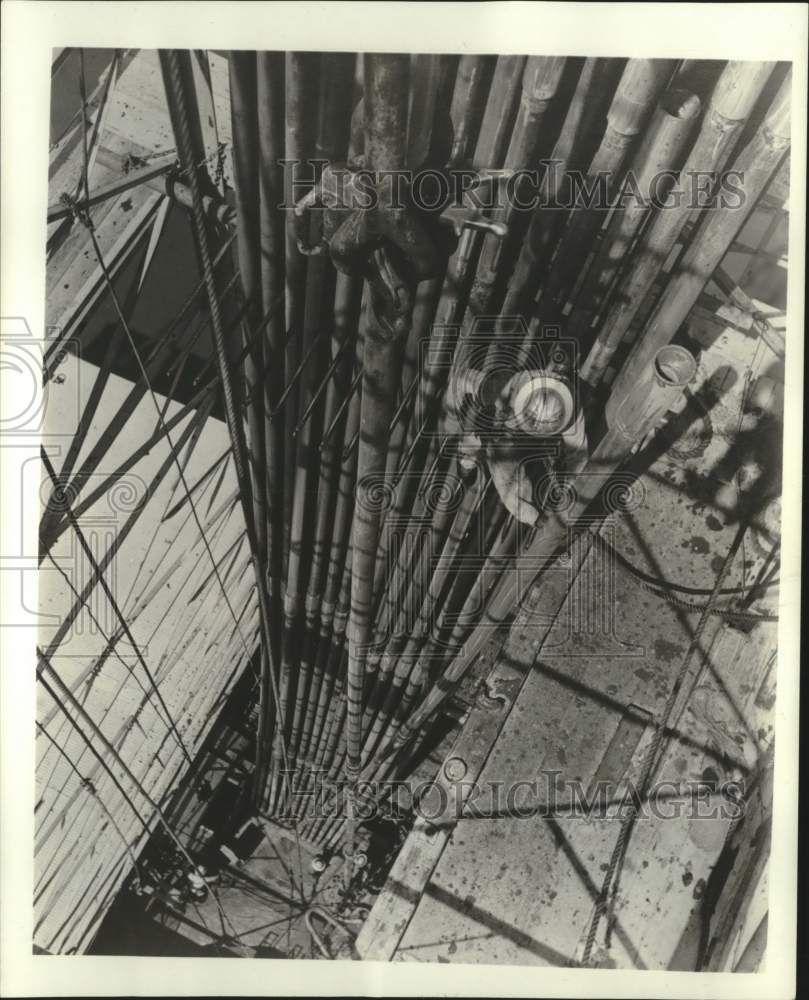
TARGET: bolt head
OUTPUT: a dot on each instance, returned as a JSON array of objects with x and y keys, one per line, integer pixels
[{"x": 455, "y": 768}]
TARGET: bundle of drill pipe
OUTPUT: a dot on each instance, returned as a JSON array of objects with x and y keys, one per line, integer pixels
[{"x": 361, "y": 515}]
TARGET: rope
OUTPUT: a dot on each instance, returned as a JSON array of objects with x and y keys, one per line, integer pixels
[
  {"x": 88, "y": 224},
  {"x": 89, "y": 787},
  {"x": 99, "y": 574},
  {"x": 84, "y": 218},
  {"x": 651, "y": 758},
  {"x": 124, "y": 767}
]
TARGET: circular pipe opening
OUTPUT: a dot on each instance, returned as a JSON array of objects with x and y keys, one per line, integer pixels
[
  {"x": 681, "y": 104},
  {"x": 674, "y": 366}
]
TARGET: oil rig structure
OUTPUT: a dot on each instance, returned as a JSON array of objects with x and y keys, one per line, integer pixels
[{"x": 410, "y": 507}]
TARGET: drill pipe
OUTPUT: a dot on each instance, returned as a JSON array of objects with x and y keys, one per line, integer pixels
[
  {"x": 271, "y": 96},
  {"x": 641, "y": 82},
  {"x": 331, "y": 144},
  {"x": 392, "y": 594},
  {"x": 489, "y": 152},
  {"x": 430, "y": 76},
  {"x": 378, "y": 767},
  {"x": 301, "y": 101},
  {"x": 333, "y": 117},
  {"x": 330, "y": 657},
  {"x": 756, "y": 163},
  {"x": 632, "y": 417},
  {"x": 540, "y": 82},
  {"x": 658, "y": 157},
  {"x": 404, "y": 595},
  {"x": 540, "y": 78},
  {"x": 244, "y": 122},
  {"x": 594, "y": 89},
  {"x": 732, "y": 101},
  {"x": 427, "y": 295},
  {"x": 500, "y": 111},
  {"x": 491, "y": 147},
  {"x": 172, "y": 63},
  {"x": 385, "y": 129},
  {"x": 472, "y": 82},
  {"x": 499, "y": 545},
  {"x": 347, "y": 306},
  {"x": 402, "y": 662}
]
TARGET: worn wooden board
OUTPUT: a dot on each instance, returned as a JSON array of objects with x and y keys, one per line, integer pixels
[{"x": 187, "y": 639}]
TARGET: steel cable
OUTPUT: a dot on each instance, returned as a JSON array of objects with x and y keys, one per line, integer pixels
[
  {"x": 233, "y": 420},
  {"x": 651, "y": 758}
]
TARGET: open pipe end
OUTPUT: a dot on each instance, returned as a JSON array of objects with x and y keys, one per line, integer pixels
[
  {"x": 682, "y": 104},
  {"x": 674, "y": 366}
]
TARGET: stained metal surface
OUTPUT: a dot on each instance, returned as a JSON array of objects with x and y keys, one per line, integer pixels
[{"x": 520, "y": 890}]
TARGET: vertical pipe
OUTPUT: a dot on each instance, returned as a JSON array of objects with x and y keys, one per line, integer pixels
[
  {"x": 732, "y": 101},
  {"x": 594, "y": 88},
  {"x": 300, "y": 98},
  {"x": 657, "y": 159},
  {"x": 641, "y": 82},
  {"x": 631, "y": 417},
  {"x": 270, "y": 94},
  {"x": 335, "y": 74},
  {"x": 540, "y": 81},
  {"x": 500, "y": 112},
  {"x": 176, "y": 90},
  {"x": 756, "y": 163},
  {"x": 386, "y": 79},
  {"x": 468, "y": 102},
  {"x": 403, "y": 664},
  {"x": 490, "y": 149},
  {"x": 331, "y": 523},
  {"x": 244, "y": 124}
]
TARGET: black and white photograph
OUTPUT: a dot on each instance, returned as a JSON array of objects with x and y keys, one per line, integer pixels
[{"x": 394, "y": 494}]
